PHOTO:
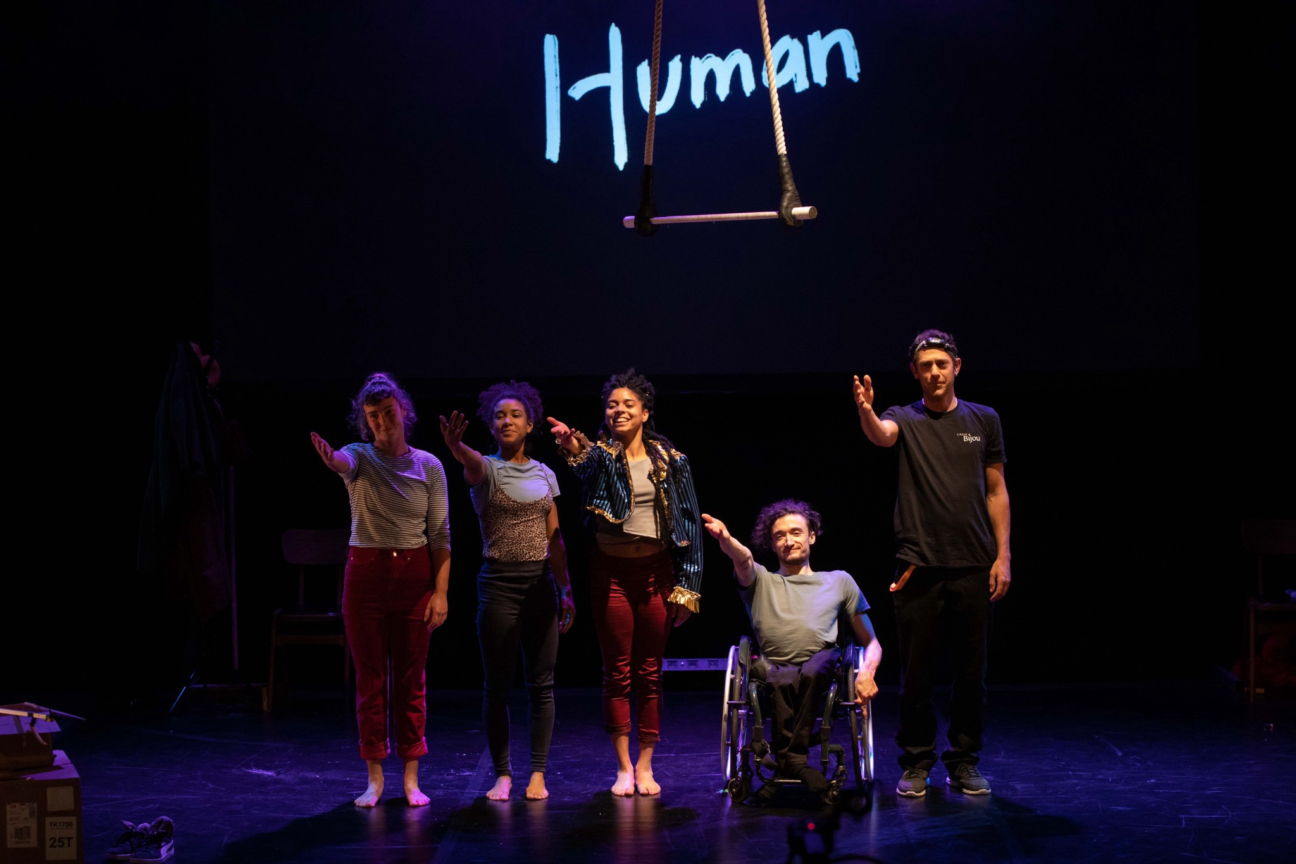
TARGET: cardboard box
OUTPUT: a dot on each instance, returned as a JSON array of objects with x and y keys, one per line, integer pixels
[{"x": 40, "y": 814}]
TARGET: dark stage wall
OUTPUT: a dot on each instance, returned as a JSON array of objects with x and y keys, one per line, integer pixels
[
  {"x": 419, "y": 182},
  {"x": 1144, "y": 416}
]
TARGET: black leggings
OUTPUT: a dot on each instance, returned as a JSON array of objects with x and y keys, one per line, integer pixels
[{"x": 517, "y": 605}]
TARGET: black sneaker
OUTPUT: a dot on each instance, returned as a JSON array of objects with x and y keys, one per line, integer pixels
[
  {"x": 131, "y": 838},
  {"x": 913, "y": 784},
  {"x": 964, "y": 777},
  {"x": 160, "y": 844}
]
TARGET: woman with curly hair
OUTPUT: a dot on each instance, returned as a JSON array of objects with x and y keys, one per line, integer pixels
[
  {"x": 646, "y": 570},
  {"x": 517, "y": 603},
  {"x": 397, "y": 574}
]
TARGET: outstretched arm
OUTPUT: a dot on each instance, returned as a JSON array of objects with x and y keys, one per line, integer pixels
[
  {"x": 336, "y": 460},
  {"x": 883, "y": 433},
  {"x": 865, "y": 687},
  {"x": 567, "y": 438},
  {"x": 452, "y": 431},
  {"x": 1001, "y": 521},
  {"x": 737, "y": 552}
]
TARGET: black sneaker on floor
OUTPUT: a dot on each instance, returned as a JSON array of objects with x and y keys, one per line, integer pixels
[
  {"x": 964, "y": 777},
  {"x": 160, "y": 844},
  {"x": 913, "y": 784},
  {"x": 131, "y": 839}
]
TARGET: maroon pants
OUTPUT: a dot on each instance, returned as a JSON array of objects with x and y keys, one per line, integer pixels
[
  {"x": 629, "y": 599},
  {"x": 383, "y": 601}
]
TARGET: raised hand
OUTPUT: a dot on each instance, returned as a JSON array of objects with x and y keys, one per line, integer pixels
[
  {"x": 564, "y": 435},
  {"x": 863, "y": 393},
  {"x": 335, "y": 461},
  {"x": 715, "y": 528},
  {"x": 737, "y": 552},
  {"x": 452, "y": 430},
  {"x": 323, "y": 448}
]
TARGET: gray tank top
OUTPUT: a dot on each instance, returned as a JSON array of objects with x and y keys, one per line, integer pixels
[{"x": 642, "y": 521}]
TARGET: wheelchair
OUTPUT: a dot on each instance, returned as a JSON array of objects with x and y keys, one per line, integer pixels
[{"x": 743, "y": 747}]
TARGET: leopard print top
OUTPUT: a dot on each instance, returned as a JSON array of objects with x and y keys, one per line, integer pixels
[{"x": 514, "y": 530}]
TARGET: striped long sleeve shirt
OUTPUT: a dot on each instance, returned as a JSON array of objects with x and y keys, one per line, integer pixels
[{"x": 397, "y": 502}]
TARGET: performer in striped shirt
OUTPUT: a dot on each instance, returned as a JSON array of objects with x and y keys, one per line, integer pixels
[{"x": 397, "y": 574}]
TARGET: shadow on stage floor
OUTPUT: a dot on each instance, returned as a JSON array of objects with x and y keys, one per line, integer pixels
[{"x": 1154, "y": 772}]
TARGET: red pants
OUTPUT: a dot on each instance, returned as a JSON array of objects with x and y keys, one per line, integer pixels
[
  {"x": 383, "y": 601},
  {"x": 629, "y": 599}
]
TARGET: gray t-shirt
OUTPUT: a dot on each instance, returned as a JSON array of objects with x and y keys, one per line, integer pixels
[
  {"x": 796, "y": 616},
  {"x": 526, "y": 482}
]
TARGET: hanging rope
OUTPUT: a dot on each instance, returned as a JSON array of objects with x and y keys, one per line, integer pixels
[
  {"x": 790, "y": 199},
  {"x": 791, "y": 211},
  {"x": 643, "y": 220}
]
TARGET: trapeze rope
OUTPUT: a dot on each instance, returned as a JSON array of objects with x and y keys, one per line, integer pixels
[{"x": 791, "y": 210}]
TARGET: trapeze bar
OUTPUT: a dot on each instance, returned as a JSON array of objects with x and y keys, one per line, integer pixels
[{"x": 798, "y": 212}]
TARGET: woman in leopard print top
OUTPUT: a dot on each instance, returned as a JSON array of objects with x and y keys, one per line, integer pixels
[{"x": 523, "y": 586}]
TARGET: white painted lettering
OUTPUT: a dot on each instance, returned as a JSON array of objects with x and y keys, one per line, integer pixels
[
  {"x": 794, "y": 70},
  {"x": 699, "y": 68},
  {"x": 610, "y": 79},
  {"x": 674, "y": 72},
  {"x": 789, "y": 57},
  {"x": 553, "y": 99},
  {"x": 821, "y": 45}
]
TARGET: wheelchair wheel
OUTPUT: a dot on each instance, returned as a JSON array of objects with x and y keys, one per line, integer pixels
[
  {"x": 730, "y": 723},
  {"x": 861, "y": 724},
  {"x": 740, "y": 786}
]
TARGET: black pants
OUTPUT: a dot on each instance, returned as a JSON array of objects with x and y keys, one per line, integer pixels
[
  {"x": 796, "y": 695},
  {"x": 517, "y": 605},
  {"x": 939, "y": 607}
]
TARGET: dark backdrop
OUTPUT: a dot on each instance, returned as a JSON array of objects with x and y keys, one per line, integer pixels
[
  {"x": 1024, "y": 173},
  {"x": 1144, "y": 414}
]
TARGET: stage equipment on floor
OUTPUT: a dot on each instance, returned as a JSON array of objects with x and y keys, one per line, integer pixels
[
  {"x": 743, "y": 746},
  {"x": 790, "y": 210}
]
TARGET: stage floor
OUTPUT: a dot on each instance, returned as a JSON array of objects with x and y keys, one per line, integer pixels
[{"x": 1146, "y": 773}]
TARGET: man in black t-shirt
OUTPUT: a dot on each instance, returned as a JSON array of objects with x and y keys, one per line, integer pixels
[{"x": 951, "y": 526}]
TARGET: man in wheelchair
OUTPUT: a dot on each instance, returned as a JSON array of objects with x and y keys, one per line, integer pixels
[{"x": 795, "y": 614}]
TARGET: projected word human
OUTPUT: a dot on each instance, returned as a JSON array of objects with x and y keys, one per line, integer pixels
[{"x": 790, "y": 56}]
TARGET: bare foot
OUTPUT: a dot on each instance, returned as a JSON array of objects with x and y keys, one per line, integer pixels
[
  {"x": 624, "y": 784},
  {"x": 536, "y": 790},
  {"x": 370, "y": 796},
  {"x": 500, "y": 791},
  {"x": 413, "y": 794},
  {"x": 375, "y": 789},
  {"x": 644, "y": 782}
]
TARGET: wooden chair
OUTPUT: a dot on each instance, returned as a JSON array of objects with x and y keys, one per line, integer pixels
[
  {"x": 319, "y": 551},
  {"x": 1266, "y": 617}
]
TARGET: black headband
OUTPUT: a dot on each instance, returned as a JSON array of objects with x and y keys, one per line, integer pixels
[{"x": 934, "y": 342}]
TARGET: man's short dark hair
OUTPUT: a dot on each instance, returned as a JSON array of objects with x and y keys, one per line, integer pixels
[
  {"x": 776, "y": 511},
  {"x": 937, "y": 339}
]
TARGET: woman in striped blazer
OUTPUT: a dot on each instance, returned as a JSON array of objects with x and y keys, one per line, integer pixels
[{"x": 646, "y": 569}]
